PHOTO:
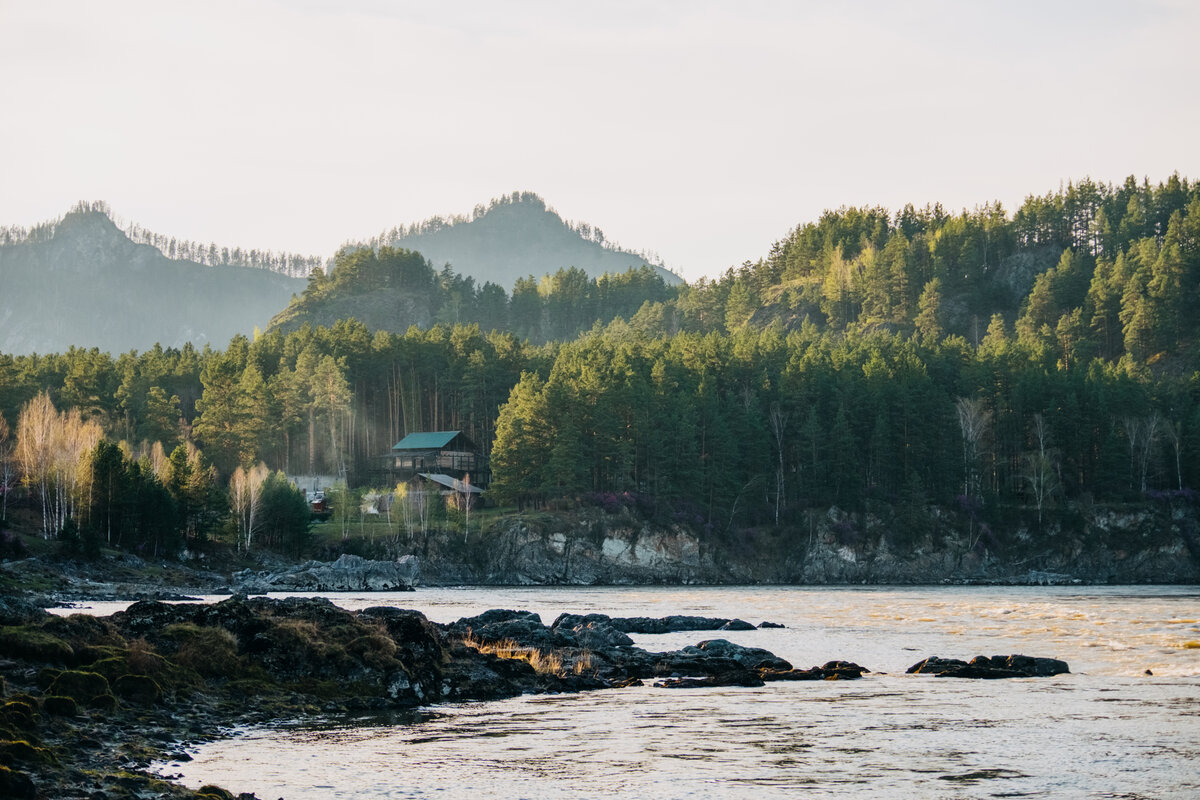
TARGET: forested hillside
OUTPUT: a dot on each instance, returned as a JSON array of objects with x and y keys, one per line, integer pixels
[
  {"x": 1011, "y": 371},
  {"x": 393, "y": 289},
  {"x": 515, "y": 237},
  {"x": 82, "y": 282}
]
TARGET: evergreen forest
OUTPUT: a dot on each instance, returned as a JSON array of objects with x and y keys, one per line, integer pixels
[{"x": 1013, "y": 368}]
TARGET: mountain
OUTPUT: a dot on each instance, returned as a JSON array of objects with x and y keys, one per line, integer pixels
[
  {"x": 515, "y": 237},
  {"x": 83, "y": 282}
]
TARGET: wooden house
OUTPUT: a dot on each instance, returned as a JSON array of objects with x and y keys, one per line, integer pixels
[{"x": 449, "y": 453}]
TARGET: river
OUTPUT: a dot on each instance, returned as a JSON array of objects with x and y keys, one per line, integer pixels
[{"x": 1108, "y": 729}]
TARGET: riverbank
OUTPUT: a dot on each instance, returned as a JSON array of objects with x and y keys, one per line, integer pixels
[
  {"x": 90, "y": 702},
  {"x": 1136, "y": 544}
]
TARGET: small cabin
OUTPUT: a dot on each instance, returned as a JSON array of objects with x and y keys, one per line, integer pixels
[{"x": 449, "y": 453}]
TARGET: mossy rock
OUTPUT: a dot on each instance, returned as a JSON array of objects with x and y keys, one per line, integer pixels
[
  {"x": 60, "y": 705},
  {"x": 15, "y": 784},
  {"x": 46, "y": 676},
  {"x": 83, "y": 630},
  {"x": 210, "y": 792},
  {"x": 103, "y": 702},
  {"x": 19, "y": 714},
  {"x": 21, "y": 751},
  {"x": 141, "y": 689},
  {"x": 374, "y": 650},
  {"x": 90, "y": 654},
  {"x": 29, "y": 643},
  {"x": 111, "y": 667},
  {"x": 210, "y": 651},
  {"x": 82, "y": 686},
  {"x": 23, "y": 697}
]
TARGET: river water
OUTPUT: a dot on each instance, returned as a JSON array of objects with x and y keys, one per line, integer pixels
[{"x": 1108, "y": 730}]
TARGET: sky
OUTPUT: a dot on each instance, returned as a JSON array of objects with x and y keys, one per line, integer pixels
[{"x": 702, "y": 131}]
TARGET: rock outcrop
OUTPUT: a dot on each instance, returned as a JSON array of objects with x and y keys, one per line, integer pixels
[
  {"x": 348, "y": 574},
  {"x": 1014, "y": 666},
  {"x": 588, "y": 546}
]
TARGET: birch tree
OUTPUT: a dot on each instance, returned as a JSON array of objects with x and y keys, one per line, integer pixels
[
  {"x": 35, "y": 450},
  {"x": 974, "y": 418},
  {"x": 1040, "y": 471},
  {"x": 8, "y": 469},
  {"x": 51, "y": 451},
  {"x": 1141, "y": 433},
  {"x": 778, "y": 421},
  {"x": 245, "y": 495}
]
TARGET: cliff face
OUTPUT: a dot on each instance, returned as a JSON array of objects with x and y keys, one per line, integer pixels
[
  {"x": 1108, "y": 546},
  {"x": 581, "y": 550}
]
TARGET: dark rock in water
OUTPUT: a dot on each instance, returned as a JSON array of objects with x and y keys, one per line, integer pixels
[
  {"x": 771, "y": 625},
  {"x": 1037, "y": 667},
  {"x": 830, "y": 671},
  {"x": 737, "y": 625},
  {"x": 749, "y": 657},
  {"x": 717, "y": 656},
  {"x": 935, "y": 665},
  {"x": 734, "y": 678},
  {"x": 985, "y": 667},
  {"x": 521, "y": 627},
  {"x": 671, "y": 624},
  {"x": 598, "y": 636}
]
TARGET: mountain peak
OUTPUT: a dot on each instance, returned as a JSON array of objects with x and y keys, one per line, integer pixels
[{"x": 513, "y": 237}]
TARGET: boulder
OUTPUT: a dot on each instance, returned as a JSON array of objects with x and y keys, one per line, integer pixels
[
  {"x": 748, "y": 657},
  {"x": 598, "y": 636},
  {"x": 830, "y": 671},
  {"x": 677, "y": 622},
  {"x": 985, "y": 667},
  {"x": 525, "y": 628}
]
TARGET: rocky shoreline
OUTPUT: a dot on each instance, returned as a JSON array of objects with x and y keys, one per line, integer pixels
[{"x": 90, "y": 702}]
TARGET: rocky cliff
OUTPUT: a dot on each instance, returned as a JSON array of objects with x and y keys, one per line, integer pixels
[{"x": 1103, "y": 545}]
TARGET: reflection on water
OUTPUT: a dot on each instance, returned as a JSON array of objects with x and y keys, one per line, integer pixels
[{"x": 1107, "y": 730}]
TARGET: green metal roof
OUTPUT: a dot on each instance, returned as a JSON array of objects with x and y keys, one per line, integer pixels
[{"x": 426, "y": 441}]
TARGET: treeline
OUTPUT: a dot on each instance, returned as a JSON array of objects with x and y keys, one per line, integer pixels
[
  {"x": 719, "y": 430},
  {"x": 93, "y": 492},
  {"x": 325, "y": 400},
  {"x": 291, "y": 264},
  {"x": 755, "y": 427},
  {"x": 1093, "y": 270},
  {"x": 393, "y": 288}
]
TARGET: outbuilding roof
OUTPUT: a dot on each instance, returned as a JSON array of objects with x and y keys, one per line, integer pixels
[{"x": 451, "y": 483}]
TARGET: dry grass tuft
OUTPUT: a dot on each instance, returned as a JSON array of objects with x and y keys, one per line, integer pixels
[{"x": 542, "y": 663}]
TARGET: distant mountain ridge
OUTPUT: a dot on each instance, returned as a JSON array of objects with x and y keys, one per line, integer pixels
[
  {"x": 514, "y": 237},
  {"x": 83, "y": 282},
  {"x": 88, "y": 280}
]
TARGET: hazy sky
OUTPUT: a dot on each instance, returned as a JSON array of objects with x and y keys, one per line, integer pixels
[{"x": 701, "y": 130}]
